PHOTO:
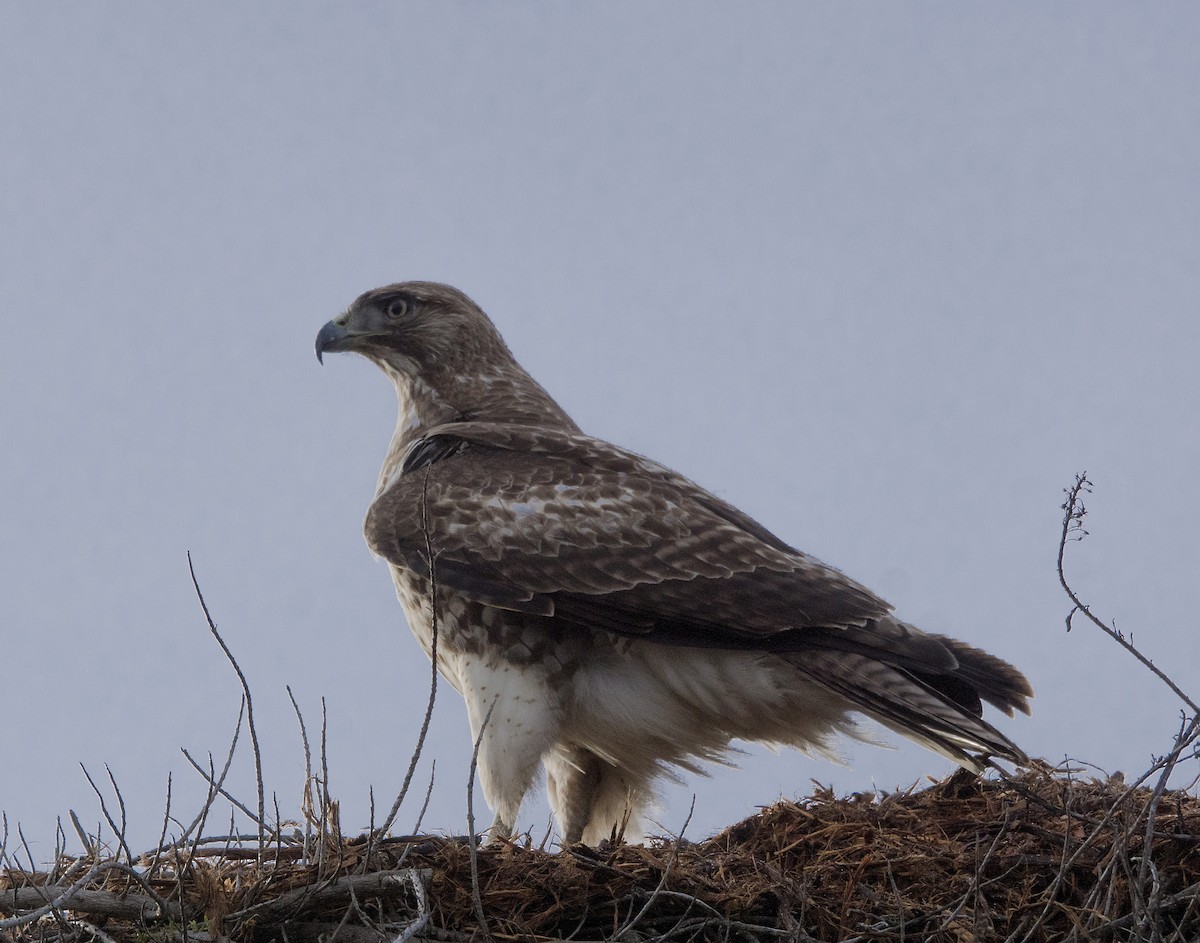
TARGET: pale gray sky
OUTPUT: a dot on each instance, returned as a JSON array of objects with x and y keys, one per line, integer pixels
[{"x": 886, "y": 276}]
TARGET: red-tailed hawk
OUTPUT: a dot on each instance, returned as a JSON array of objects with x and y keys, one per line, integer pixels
[{"x": 616, "y": 619}]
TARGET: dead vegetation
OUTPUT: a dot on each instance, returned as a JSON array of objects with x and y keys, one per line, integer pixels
[
  {"x": 1044, "y": 856},
  {"x": 1047, "y": 855}
]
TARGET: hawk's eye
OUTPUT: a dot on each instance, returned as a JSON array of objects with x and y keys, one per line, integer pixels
[{"x": 396, "y": 308}]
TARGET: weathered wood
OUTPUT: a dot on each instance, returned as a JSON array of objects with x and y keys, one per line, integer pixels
[{"x": 101, "y": 903}]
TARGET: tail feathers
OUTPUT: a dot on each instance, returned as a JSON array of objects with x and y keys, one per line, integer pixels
[
  {"x": 994, "y": 679},
  {"x": 956, "y": 670},
  {"x": 941, "y": 712}
]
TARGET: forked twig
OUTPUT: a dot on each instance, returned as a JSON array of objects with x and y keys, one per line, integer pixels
[
  {"x": 1073, "y": 515},
  {"x": 240, "y": 806},
  {"x": 214, "y": 786},
  {"x": 118, "y": 831}
]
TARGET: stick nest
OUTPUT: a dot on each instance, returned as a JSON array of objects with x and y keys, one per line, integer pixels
[{"x": 1038, "y": 857}]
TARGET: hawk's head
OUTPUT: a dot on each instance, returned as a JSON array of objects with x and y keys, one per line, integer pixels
[
  {"x": 442, "y": 352},
  {"x": 415, "y": 328}
]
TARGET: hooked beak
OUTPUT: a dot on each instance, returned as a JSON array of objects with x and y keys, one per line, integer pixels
[{"x": 332, "y": 337}]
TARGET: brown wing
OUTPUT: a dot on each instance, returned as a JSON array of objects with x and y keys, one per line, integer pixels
[{"x": 557, "y": 524}]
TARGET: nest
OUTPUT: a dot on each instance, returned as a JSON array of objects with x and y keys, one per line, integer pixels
[{"x": 1037, "y": 857}]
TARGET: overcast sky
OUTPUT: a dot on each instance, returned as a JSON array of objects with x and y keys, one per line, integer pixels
[{"x": 887, "y": 276}]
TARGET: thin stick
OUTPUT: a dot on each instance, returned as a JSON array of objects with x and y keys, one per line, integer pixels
[
  {"x": 307, "y": 765},
  {"x": 1074, "y": 512},
  {"x": 433, "y": 659},
  {"x": 662, "y": 883},
  {"x": 198, "y": 820},
  {"x": 258, "y": 773},
  {"x": 119, "y": 832},
  {"x": 1073, "y": 515},
  {"x": 420, "y": 815},
  {"x": 220, "y": 789},
  {"x": 121, "y": 807},
  {"x": 162, "y": 835},
  {"x": 476, "y": 894},
  {"x": 88, "y": 847}
]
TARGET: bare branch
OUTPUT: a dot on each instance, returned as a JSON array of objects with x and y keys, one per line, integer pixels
[
  {"x": 384, "y": 883},
  {"x": 162, "y": 835},
  {"x": 128, "y": 906},
  {"x": 433, "y": 659},
  {"x": 212, "y": 785},
  {"x": 221, "y": 790},
  {"x": 476, "y": 894},
  {"x": 118, "y": 830},
  {"x": 307, "y": 764},
  {"x": 633, "y": 921},
  {"x": 1072, "y": 529},
  {"x": 258, "y": 773}
]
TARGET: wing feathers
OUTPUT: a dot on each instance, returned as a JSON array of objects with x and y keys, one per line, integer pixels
[
  {"x": 557, "y": 523},
  {"x": 909, "y": 706}
]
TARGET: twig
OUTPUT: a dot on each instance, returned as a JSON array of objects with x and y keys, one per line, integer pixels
[
  {"x": 25, "y": 845},
  {"x": 88, "y": 847},
  {"x": 307, "y": 764},
  {"x": 162, "y": 835},
  {"x": 60, "y": 849},
  {"x": 433, "y": 659},
  {"x": 199, "y": 826},
  {"x": 121, "y": 807},
  {"x": 1189, "y": 895},
  {"x": 258, "y": 773},
  {"x": 413, "y": 928},
  {"x": 4, "y": 859},
  {"x": 212, "y": 785},
  {"x": 662, "y": 882},
  {"x": 323, "y": 841},
  {"x": 1185, "y": 736},
  {"x": 418, "y": 885},
  {"x": 420, "y": 815},
  {"x": 976, "y": 884},
  {"x": 118, "y": 830},
  {"x": 221, "y": 790},
  {"x": 1073, "y": 514},
  {"x": 476, "y": 894},
  {"x": 352, "y": 908}
]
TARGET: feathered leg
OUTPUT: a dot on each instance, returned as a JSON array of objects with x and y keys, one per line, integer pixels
[{"x": 513, "y": 721}]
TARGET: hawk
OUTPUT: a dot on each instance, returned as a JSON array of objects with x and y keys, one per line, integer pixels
[{"x": 607, "y": 618}]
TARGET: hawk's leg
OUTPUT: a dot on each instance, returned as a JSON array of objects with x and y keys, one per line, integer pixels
[
  {"x": 573, "y": 777},
  {"x": 513, "y": 722},
  {"x": 590, "y": 797}
]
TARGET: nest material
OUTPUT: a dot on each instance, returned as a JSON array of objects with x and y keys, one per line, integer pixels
[{"x": 1038, "y": 857}]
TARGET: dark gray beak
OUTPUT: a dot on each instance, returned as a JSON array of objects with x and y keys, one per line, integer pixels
[{"x": 331, "y": 337}]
